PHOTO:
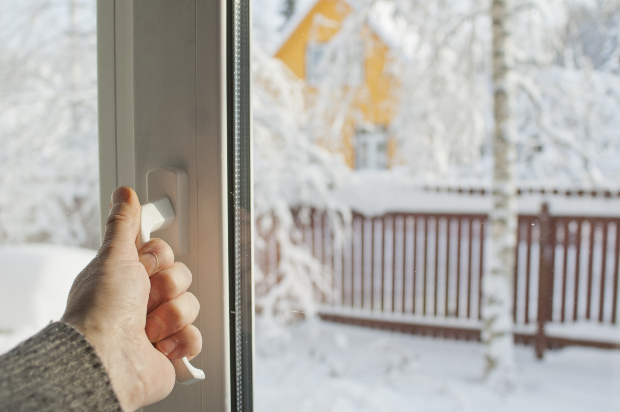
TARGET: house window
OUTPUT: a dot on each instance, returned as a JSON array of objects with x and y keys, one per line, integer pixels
[{"x": 370, "y": 151}]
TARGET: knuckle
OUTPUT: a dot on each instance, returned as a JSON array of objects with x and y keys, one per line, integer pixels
[
  {"x": 187, "y": 273},
  {"x": 196, "y": 341},
  {"x": 193, "y": 301},
  {"x": 182, "y": 268},
  {"x": 163, "y": 249},
  {"x": 155, "y": 245},
  {"x": 190, "y": 341},
  {"x": 176, "y": 315},
  {"x": 169, "y": 285},
  {"x": 152, "y": 246},
  {"x": 196, "y": 335},
  {"x": 118, "y": 214}
]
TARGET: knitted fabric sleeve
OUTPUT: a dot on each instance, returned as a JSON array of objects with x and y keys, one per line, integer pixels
[{"x": 55, "y": 370}]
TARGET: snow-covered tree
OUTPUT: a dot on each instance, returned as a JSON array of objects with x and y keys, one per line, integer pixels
[
  {"x": 288, "y": 8},
  {"x": 291, "y": 172},
  {"x": 48, "y": 123},
  {"x": 443, "y": 59},
  {"x": 497, "y": 91}
]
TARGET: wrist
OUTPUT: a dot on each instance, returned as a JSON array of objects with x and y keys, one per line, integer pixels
[{"x": 127, "y": 382}]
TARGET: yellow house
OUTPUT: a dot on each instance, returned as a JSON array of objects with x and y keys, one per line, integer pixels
[{"x": 364, "y": 142}]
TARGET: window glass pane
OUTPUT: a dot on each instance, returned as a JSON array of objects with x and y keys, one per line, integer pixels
[
  {"x": 49, "y": 180},
  {"x": 441, "y": 232}
]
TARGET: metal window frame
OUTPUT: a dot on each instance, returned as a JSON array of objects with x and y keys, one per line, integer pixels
[{"x": 174, "y": 91}]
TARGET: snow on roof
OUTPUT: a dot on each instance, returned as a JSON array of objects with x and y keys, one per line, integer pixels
[
  {"x": 302, "y": 9},
  {"x": 381, "y": 21}
]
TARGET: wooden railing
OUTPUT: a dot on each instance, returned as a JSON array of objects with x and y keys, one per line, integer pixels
[{"x": 431, "y": 266}]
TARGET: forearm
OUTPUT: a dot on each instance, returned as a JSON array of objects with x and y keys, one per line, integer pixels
[{"x": 55, "y": 370}]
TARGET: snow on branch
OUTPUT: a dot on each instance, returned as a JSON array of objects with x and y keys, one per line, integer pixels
[{"x": 292, "y": 175}]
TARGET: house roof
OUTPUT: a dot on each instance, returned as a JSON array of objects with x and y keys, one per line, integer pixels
[
  {"x": 303, "y": 7},
  {"x": 381, "y": 21}
]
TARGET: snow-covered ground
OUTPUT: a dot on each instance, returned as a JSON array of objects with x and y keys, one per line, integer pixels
[
  {"x": 324, "y": 366},
  {"x": 34, "y": 284},
  {"x": 321, "y": 366}
]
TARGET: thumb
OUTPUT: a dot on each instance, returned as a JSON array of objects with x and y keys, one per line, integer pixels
[{"x": 123, "y": 224}]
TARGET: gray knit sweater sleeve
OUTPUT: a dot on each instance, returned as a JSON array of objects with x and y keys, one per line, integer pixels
[{"x": 55, "y": 370}]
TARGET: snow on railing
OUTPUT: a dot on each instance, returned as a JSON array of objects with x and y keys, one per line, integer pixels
[{"x": 568, "y": 192}]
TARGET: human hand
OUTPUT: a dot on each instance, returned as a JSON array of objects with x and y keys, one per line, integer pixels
[{"x": 126, "y": 300}]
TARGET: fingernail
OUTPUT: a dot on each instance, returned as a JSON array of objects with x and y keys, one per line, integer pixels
[
  {"x": 153, "y": 328},
  {"x": 121, "y": 194},
  {"x": 166, "y": 346}
]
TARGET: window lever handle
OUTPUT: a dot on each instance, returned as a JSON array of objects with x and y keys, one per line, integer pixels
[{"x": 156, "y": 216}]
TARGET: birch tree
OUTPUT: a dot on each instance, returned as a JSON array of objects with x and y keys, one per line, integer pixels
[{"x": 498, "y": 277}]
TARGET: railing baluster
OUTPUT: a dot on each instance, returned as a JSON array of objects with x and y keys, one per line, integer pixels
[
  {"x": 614, "y": 308},
  {"x": 481, "y": 269},
  {"x": 363, "y": 260},
  {"x": 590, "y": 263},
  {"x": 393, "y": 263},
  {"x": 383, "y": 234},
  {"x": 577, "y": 264},
  {"x": 515, "y": 282},
  {"x": 457, "y": 310},
  {"x": 435, "y": 291},
  {"x": 528, "y": 268},
  {"x": 425, "y": 291},
  {"x": 449, "y": 235},
  {"x": 414, "y": 262},
  {"x": 373, "y": 239},
  {"x": 565, "y": 267},
  {"x": 404, "y": 291},
  {"x": 470, "y": 269},
  {"x": 601, "y": 309}
]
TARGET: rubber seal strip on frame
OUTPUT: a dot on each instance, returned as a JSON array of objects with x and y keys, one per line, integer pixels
[{"x": 240, "y": 204}]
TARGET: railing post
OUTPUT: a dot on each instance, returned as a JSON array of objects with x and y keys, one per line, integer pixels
[{"x": 545, "y": 277}]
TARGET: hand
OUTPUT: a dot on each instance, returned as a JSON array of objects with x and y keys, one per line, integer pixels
[{"x": 126, "y": 300}]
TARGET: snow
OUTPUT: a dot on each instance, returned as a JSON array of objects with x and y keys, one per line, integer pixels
[
  {"x": 302, "y": 8},
  {"x": 289, "y": 170},
  {"x": 34, "y": 284},
  {"x": 579, "y": 330},
  {"x": 584, "y": 330},
  {"x": 321, "y": 366},
  {"x": 49, "y": 177},
  {"x": 372, "y": 193}
]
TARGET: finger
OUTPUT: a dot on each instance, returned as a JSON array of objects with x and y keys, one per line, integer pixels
[
  {"x": 156, "y": 255},
  {"x": 186, "y": 342},
  {"x": 121, "y": 228},
  {"x": 171, "y": 317},
  {"x": 168, "y": 284}
]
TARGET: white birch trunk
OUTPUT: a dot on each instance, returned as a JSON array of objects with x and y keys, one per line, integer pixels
[{"x": 501, "y": 238}]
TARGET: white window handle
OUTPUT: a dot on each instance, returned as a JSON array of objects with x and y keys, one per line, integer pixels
[{"x": 159, "y": 215}]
